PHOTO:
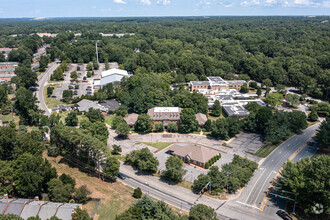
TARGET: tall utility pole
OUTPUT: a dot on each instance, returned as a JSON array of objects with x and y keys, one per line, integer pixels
[{"x": 97, "y": 53}]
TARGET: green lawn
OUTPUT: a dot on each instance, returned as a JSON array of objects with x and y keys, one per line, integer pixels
[
  {"x": 51, "y": 102},
  {"x": 265, "y": 150},
  {"x": 158, "y": 145},
  {"x": 65, "y": 114},
  {"x": 108, "y": 119},
  {"x": 6, "y": 117}
]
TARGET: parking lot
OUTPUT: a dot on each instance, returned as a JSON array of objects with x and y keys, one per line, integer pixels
[
  {"x": 79, "y": 87},
  {"x": 249, "y": 142}
]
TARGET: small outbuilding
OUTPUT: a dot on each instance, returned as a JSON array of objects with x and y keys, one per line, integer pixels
[{"x": 131, "y": 119}]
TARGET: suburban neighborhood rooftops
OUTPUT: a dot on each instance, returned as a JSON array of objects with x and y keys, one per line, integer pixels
[
  {"x": 31, "y": 209},
  {"x": 161, "y": 113},
  {"x": 131, "y": 119},
  {"x": 65, "y": 211},
  {"x": 201, "y": 118},
  {"x": 197, "y": 153}
]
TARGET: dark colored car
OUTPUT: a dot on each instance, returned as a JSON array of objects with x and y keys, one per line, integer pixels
[
  {"x": 121, "y": 176},
  {"x": 283, "y": 215}
]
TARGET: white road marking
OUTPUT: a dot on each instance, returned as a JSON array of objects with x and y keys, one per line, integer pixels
[
  {"x": 247, "y": 204},
  {"x": 254, "y": 186},
  {"x": 263, "y": 186}
]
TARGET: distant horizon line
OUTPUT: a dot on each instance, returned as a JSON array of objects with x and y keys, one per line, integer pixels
[{"x": 168, "y": 16}]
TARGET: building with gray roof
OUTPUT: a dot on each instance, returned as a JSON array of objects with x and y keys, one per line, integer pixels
[
  {"x": 32, "y": 209},
  {"x": 48, "y": 210},
  {"x": 3, "y": 204},
  {"x": 16, "y": 206},
  {"x": 235, "y": 109},
  {"x": 65, "y": 211},
  {"x": 110, "y": 104},
  {"x": 85, "y": 104}
]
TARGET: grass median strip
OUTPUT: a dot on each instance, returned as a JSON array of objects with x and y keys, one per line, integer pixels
[{"x": 51, "y": 102}]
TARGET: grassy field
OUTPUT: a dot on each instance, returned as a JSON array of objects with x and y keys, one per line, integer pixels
[
  {"x": 8, "y": 117},
  {"x": 158, "y": 145},
  {"x": 65, "y": 114},
  {"x": 108, "y": 119},
  {"x": 116, "y": 197},
  {"x": 51, "y": 102},
  {"x": 265, "y": 150}
]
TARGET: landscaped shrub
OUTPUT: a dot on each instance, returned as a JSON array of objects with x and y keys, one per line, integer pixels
[
  {"x": 207, "y": 165},
  {"x": 137, "y": 193},
  {"x": 159, "y": 127},
  {"x": 171, "y": 127}
]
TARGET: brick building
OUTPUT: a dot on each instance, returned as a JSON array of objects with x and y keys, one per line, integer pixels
[{"x": 165, "y": 115}]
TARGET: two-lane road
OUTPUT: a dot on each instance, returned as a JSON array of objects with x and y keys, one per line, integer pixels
[
  {"x": 42, "y": 80},
  {"x": 254, "y": 192}
]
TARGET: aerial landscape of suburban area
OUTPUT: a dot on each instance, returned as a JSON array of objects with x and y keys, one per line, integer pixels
[{"x": 161, "y": 110}]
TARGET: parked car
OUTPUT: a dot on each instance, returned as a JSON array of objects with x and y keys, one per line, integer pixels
[
  {"x": 121, "y": 176},
  {"x": 284, "y": 215}
]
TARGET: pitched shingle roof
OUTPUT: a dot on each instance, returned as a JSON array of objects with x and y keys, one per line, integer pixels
[
  {"x": 201, "y": 118},
  {"x": 197, "y": 153},
  {"x": 131, "y": 119}
]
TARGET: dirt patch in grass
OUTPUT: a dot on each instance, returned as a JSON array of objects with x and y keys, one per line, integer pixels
[
  {"x": 158, "y": 145},
  {"x": 90, "y": 206},
  {"x": 116, "y": 197}
]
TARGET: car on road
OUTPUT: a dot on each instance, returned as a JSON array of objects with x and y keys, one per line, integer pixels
[
  {"x": 121, "y": 176},
  {"x": 284, "y": 215}
]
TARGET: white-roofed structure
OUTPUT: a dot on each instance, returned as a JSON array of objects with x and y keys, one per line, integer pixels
[{"x": 110, "y": 76}]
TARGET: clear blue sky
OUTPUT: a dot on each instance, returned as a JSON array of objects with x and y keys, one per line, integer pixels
[{"x": 131, "y": 8}]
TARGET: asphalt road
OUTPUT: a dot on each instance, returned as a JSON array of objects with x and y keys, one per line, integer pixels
[
  {"x": 42, "y": 80},
  {"x": 254, "y": 192},
  {"x": 184, "y": 199},
  {"x": 248, "y": 203}
]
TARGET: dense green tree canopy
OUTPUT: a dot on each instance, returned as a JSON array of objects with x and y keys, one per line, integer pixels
[
  {"x": 308, "y": 179},
  {"x": 143, "y": 159},
  {"x": 174, "y": 170}
]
